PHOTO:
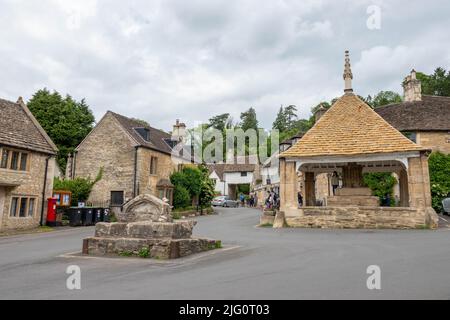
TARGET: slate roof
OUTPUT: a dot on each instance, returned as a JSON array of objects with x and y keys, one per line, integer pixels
[
  {"x": 156, "y": 139},
  {"x": 350, "y": 127},
  {"x": 19, "y": 128},
  {"x": 430, "y": 114}
]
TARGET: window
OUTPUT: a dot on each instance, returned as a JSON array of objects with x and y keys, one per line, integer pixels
[
  {"x": 243, "y": 174},
  {"x": 31, "y": 207},
  {"x": 153, "y": 165},
  {"x": 14, "y": 160},
  {"x": 22, "y": 207},
  {"x": 13, "y": 209},
  {"x": 4, "y": 162},
  {"x": 411, "y": 136},
  {"x": 117, "y": 198},
  {"x": 23, "y": 161}
]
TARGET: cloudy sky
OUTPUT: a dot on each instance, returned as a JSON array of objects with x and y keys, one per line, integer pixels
[{"x": 168, "y": 59}]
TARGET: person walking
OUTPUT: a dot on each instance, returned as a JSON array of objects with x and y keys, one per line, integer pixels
[
  {"x": 335, "y": 181},
  {"x": 299, "y": 199}
]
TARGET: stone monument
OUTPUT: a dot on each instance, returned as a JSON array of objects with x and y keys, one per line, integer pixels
[{"x": 146, "y": 228}]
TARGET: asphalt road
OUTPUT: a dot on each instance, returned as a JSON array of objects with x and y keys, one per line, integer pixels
[{"x": 256, "y": 263}]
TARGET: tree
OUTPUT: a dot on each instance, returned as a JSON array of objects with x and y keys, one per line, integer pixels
[
  {"x": 280, "y": 122},
  {"x": 65, "y": 120},
  {"x": 248, "y": 120},
  {"x": 141, "y": 122},
  {"x": 383, "y": 98},
  {"x": 437, "y": 84},
  {"x": 439, "y": 165},
  {"x": 80, "y": 187},
  {"x": 196, "y": 181},
  {"x": 219, "y": 122},
  {"x": 207, "y": 190},
  {"x": 291, "y": 116},
  {"x": 181, "y": 197}
]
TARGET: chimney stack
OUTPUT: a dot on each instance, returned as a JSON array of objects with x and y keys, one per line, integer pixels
[
  {"x": 319, "y": 112},
  {"x": 179, "y": 131},
  {"x": 412, "y": 88}
]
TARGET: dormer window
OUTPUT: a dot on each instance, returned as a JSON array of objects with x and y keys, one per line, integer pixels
[{"x": 144, "y": 133}]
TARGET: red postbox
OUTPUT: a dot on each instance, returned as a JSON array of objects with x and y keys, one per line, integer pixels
[{"x": 51, "y": 212}]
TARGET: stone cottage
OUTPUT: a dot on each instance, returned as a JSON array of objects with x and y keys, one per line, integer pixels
[
  {"x": 423, "y": 118},
  {"x": 228, "y": 176},
  {"x": 135, "y": 159},
  {"x": 27, "y": 162}
]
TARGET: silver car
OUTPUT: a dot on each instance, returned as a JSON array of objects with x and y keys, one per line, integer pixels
[
  {"x": 224, "y": 201},
  {"x": 446, "y": 205}
]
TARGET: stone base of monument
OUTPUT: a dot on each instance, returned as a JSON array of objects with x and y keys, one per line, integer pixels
[
  {"x": 161, "y": 240},
  {"x": 361, "y": 197},
  {"x": 146, "y": 228}
]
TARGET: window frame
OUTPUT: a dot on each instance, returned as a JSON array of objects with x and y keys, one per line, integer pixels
[
  {"x": 111, "y": 198},
  {"x": 153, "y": 165},
  {"x": 9, "y": 158},
  {"x": 18, "y": 206}
]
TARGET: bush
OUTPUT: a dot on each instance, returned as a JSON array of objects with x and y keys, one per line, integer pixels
[
  {"x": 80, "y": 187},
  {"x": 381, "y": 184},
  {"x": 181, "y": 197},
  {"x": 439, "y": 165},
  {"x": 198, "y": 184}
]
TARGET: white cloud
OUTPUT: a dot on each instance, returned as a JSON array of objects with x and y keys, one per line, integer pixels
[{"x": 167, "y": 59}]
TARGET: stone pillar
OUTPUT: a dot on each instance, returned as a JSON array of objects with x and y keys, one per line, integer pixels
[
  {"x": 288, "y": 185},
  {"x": 310, "y": 189},
  {"x": 352, "y": 176},
  {"x": 69, "y": 165},
  {"x": 403, "y": 186},
  {"x": 419, "y": 182}
]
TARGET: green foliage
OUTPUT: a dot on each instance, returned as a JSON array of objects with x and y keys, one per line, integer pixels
[
  {"x": 439, "y": 166},
  {"x": 280, "y": 122},
  {"x": 196, "y": 182},
  {"x": 143, "y": 123},
  {"x": 65, "y": 120},
  {"x": 126, "y": 253},
  {"x": 383, "y": 98},
  {"x": 181, "y": 197},
  {"x": 220, "y": 122},
  {"x": 80, "y": 187},
  {"x": 437, "y": 84},
  {"x": 207, "y": 189},
  {"x": 248, "y": 120},
  {"x": 381, "y": 184},
  {"x": 192, "y": 180},
  {"x": 243, "y": 188},
  {"x": 144, "y": 252}
]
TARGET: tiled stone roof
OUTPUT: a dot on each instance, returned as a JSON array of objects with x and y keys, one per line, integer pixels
[
  {"x": 350, "y": 127},
  {"x": 156, "y": 136},
  {"x": 432, "y": 113},
  {"x": 18, "y": 128}
]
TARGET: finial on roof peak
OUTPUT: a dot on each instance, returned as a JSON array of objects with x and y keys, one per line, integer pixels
[{"x": 348, "y": 75}]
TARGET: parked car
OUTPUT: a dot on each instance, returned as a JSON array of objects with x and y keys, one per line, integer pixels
[
  {"x": 224, "y": 201},
  {"x": 446, "y": 205}
]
